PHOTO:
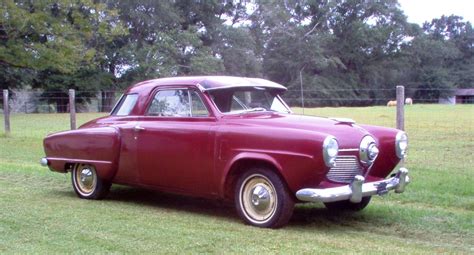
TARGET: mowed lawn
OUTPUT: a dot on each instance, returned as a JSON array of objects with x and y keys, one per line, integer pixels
[{"x": 39, "y": 212}]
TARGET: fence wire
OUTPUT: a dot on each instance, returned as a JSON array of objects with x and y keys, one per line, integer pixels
[
  {"x": 25, "y": 101},
  {"x": 36, "y": 101}
]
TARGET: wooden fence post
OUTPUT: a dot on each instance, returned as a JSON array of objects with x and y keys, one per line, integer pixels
[
  {"x": 6, "y": 112},
  {"x": 400, "y": 107},
  {"x": 72, "y": 108}
]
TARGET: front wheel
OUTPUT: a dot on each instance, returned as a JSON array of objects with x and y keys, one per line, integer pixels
[
  {"x": 347, "y": 205},
  {"x": 262, "y": 199},
  {"x": 87, "y": 184}
]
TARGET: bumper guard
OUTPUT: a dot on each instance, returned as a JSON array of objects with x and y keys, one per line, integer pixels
[{"x": 357, "y": 189}]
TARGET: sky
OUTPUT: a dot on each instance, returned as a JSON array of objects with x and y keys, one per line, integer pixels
[{"x": 419, "y": 11}]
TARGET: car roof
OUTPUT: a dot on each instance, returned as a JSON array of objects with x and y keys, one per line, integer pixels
[{"x": 206, "y": 83}]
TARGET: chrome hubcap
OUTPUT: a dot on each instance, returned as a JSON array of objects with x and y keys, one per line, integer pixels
[
  {"x": 85, "y": 179},
  {"x": 260, "y": 198}
]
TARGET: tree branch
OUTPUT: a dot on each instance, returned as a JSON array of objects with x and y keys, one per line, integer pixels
[
  {"x": 4, "y": 62},
  {"x": 311, "y": 31}
]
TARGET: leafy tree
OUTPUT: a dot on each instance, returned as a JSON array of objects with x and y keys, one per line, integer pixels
[
  {"x": 461, "y": 35},
  {"x": 332, "y": 44},
  {"x": 441, "y": 57},
  {"x": 342, "y": 49},
  {"x": 237, "y": 48},
  {"x": 58, "y": 38}
]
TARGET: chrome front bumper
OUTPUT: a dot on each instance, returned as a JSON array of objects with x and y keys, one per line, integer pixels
[{"x": 355, "y": 191}]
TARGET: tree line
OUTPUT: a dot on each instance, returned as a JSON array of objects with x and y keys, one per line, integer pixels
[{"x": 338, "y": 49}]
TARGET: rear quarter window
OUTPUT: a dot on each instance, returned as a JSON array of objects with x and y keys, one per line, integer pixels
[{"x": 125, "y": 105}]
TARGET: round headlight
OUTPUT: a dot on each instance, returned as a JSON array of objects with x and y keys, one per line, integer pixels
[
  {"x": 373, "y": 151},
  {"x": 368, "y": 150},
  {"x": 401, "y": 144},
  {"x": 330, "y": 151}
]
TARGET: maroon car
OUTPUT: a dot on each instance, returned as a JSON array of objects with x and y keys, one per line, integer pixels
[{"x": 229, "y": 138}]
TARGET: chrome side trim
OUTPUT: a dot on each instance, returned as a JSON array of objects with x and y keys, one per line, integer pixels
[
  {"x": 357, "y": 189},
  {"x": 200, "y": 87},
  {"x": 84, "y": 161}
]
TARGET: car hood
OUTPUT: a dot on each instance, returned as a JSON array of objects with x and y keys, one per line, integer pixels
[{"x": 346, "y": 132}]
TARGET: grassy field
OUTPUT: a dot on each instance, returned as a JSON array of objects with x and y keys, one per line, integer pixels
[{"x": 39, "y": 212}]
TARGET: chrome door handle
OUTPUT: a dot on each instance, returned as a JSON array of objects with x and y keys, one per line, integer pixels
[{"x": 138, "y": 128}]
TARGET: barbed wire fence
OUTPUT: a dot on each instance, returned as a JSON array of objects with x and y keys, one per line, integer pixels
[
  {"x": 38, "y": 101},
  {"x": 367, "y": 97}
]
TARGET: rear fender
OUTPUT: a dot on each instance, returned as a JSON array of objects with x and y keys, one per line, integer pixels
[{"x": 96, "y": 146}]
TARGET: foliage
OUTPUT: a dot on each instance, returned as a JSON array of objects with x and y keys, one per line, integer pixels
[
  {"x": 365, "y": 47},
  {"x": 445, "y": 54},
  {"x": 42, "y": 35}
]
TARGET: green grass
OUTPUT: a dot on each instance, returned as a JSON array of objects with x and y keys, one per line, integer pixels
[{"x": 39, "y": 212}]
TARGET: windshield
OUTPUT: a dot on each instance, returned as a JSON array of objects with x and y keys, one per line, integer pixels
[{"x": 248, "y": 99}]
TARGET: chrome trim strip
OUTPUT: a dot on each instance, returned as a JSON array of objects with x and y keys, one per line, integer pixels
[
  {"x": 343, "y": 120},
  {"x": 71, "y": 160},
  {"x": 200, "y": 87},
  {"x": 357, "y": 189},
  {"x": 351, "y": 149}
]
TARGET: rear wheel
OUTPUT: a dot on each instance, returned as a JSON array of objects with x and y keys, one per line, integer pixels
[
  {"x": 87, "y": 184},
  {"x": 262, "y": 199},
  {"x": 347, "y": 205}
]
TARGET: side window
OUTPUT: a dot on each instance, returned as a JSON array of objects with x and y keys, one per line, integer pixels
[
  {"x": 177, "y": 103},
  {"x": 198, "y": 109},
  {"x": 170, "y": 103},
  {"x": 126, "y": 104}
]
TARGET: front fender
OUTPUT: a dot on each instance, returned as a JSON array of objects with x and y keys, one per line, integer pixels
[
  {"x": 387, "y": 159},
  {"x": 295, "y": 154}
]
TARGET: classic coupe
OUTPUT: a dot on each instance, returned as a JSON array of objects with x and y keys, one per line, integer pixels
[{"x": 230, "y": 138}]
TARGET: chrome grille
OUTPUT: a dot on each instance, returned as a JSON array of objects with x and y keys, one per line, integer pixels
[{"x": 346, "y": 168}]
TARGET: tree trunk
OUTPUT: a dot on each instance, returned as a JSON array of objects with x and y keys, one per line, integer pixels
[
  {"x": 62, "y": 105},
  {"x": 108, "y": 100}
]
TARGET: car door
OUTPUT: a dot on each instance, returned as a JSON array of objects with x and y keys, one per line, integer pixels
[
  {"x": 126, "y": 121},
  {"x": 176, "y": 143}
]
